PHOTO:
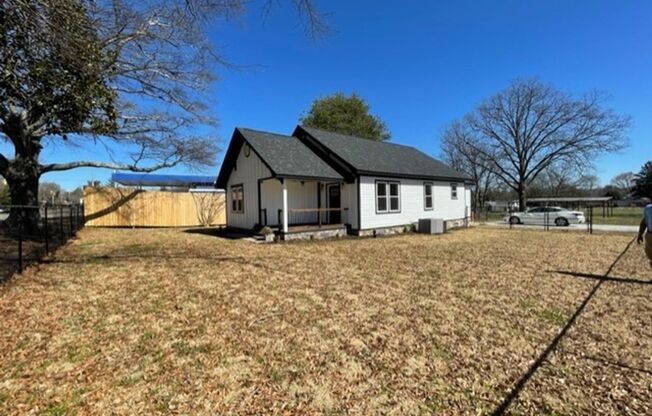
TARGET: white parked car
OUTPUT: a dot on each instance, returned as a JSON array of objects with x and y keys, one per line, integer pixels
[{"x": 554, "y": 215}]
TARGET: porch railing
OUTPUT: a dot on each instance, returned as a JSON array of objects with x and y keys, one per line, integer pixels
[
  {"x": 315, "y": 216},
  {"x": 307, "y": 216}
]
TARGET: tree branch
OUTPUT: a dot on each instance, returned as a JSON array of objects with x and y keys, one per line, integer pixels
[{"x": 53, "y": 167}]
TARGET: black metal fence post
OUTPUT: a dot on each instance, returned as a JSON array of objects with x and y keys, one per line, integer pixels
[
  {"x": 26, "y": 244},
  {"x": 46, "y": 230},
  {"x": 509, "y": 217},
  {"x": 62, "y": 236},
  {"x": 20, "y": 245}
]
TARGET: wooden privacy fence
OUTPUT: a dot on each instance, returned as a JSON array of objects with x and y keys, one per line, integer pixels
[{"x": 130, "y": 207}]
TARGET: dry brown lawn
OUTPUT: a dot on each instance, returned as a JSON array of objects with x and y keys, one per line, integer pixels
[{"x": 169, "y": 322}]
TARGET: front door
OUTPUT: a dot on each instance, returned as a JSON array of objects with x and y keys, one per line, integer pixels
[{"x": 334, "y": 204}]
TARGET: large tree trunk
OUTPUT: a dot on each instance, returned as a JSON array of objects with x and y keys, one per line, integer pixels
[
  {"x": 23, "y": 182},
  {"x": 22, "y": 175},
  {"x": 521, "y": 196}
]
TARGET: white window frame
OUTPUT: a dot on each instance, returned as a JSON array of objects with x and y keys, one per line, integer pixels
[
  {"x": 427, "y": 185},
  {"x": 237, "y": 204},
  {"x": 453, "y": 191},
  {"x": 388, "y": 197}
]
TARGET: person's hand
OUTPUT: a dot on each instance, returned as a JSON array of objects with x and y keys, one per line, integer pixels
[{"x": 639, "y": 239}]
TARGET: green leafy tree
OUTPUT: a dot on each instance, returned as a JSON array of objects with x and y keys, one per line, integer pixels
[
  {"x": 613, "y": 191},
  {"x": 128, "y": 78},
  {"x": 52, "y": 84},
  {"x": 643, "y": 181},
  {"x": 346, "y": 115}
]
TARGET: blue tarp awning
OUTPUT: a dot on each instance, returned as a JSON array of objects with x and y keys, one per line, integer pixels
[{"x": 148, "y": 179}]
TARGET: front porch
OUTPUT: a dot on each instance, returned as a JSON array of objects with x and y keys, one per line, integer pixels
[
  {"x": 303, "y": 209},
  {"x": 313, "y": 232}
]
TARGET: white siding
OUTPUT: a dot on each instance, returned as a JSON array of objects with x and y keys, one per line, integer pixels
[
  {"x": 246, "y": 171},
  {"x": 412, "y": 202},
  {"x": 271, "y": 200},
  {"x": 350, "y": 204},
  {"x": 300, "y": 195}
]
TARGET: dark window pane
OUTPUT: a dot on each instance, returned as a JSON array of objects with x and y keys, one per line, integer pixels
[
  {"x": 393, "y": 204},
  {"x": 428, "y": 190},
  {"x": 428, "y": 202},
  {"x": 237, "y": 196},
  {"x": 393, "y": 189},
  {"x": 382, "y": 204},
  {"x": 381, "y": 189}
]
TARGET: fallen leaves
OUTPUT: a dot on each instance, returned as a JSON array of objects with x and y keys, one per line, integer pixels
[{"x": 166, "y": 322}]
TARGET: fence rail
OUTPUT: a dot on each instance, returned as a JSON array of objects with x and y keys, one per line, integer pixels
[
  {"x": 34, "y": 232},
  {"x": 546, "y": 222}
]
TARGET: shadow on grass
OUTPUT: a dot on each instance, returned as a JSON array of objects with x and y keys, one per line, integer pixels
[
  {"x": 266, "y": 263},
  {"x": 7, "y": 269},
  {"x": 601, "y": 277},
  {"x": 522, "y": 381},
  {"x": 222, "y": 232},
  {"x": 606, "y": 361}
]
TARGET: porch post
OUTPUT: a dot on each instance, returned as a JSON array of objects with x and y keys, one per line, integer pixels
[
  {"x": 319, "y": 204},
  {"x": 284, "y": 186}
]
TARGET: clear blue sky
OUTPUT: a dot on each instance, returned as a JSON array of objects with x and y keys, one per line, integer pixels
[{"x": 422, "y": 64}]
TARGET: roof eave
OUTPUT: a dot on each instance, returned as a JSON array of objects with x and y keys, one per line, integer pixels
[
  {"x": 310, "y": 178},
  {"x": 415, "y": 176},
  {"x": 237, "y": 140}
]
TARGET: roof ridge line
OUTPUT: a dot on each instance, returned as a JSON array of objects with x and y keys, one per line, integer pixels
[
  {"x": 362, "y": 138},
  {"x": 264, "y": 131}
]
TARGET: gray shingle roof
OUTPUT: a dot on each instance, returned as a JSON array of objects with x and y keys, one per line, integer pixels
[
  {"x": 287, "y": 156},
  {"x": 368, "y": 156}
]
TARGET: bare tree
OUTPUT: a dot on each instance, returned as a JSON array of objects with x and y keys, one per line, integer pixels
[
  {"x": 208, "y": 206},
  {"x": 50, "y": 192},
  {"x": 525, "y": 129},
  {"x": 128, "y": 77},
  {"x": 624, "y": 181},
  {"x": 560, "y": 179},
  {"x": 456, "y": 151},
  {"x": 589, "y": 183}
]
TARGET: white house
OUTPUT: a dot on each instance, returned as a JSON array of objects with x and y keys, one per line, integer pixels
[{"x": 316, "y": 181}]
